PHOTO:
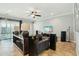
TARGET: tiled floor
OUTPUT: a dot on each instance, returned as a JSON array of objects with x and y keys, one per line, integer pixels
[{"x": 7, "y": 48}]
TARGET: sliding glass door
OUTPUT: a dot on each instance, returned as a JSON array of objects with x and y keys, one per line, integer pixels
[{"x": 6, "y": 29}]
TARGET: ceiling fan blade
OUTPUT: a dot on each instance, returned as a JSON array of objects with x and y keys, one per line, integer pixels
[{"x": 38, "y": 15}]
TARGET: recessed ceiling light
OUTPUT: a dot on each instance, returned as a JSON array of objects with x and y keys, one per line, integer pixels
[
  {"x": 27, "y": 12},
  {"x": 8, "y": 11},
  {"x": 51, "y": 13}
]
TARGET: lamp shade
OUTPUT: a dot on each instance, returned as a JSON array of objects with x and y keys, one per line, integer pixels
[
  {"x": 25, "y": 26},
  {"x": 16, "y": 28}
]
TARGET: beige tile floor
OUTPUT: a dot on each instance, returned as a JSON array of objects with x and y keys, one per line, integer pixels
[{"x": 7, "y": 48}]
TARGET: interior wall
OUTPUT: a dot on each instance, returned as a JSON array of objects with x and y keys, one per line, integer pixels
[{"x": 59, "y": 24}]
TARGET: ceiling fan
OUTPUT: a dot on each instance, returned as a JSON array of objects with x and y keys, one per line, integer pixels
[{"x": 33, "y": 13}]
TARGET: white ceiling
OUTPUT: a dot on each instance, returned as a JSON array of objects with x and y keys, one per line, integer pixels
[{"x": 19, "y": 9}]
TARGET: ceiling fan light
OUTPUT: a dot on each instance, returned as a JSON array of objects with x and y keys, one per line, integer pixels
[{"x": 32, "y": 15}]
